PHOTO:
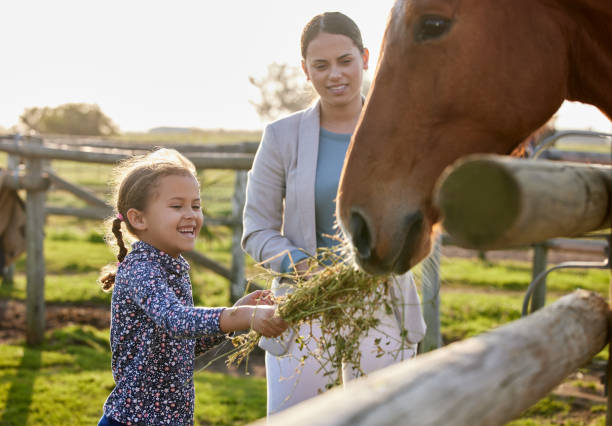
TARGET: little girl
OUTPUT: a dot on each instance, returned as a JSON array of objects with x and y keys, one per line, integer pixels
[{"x": 156, "y": 332}]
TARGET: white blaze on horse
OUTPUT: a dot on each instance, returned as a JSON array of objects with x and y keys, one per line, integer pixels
[{"x": 457, "y": 77}]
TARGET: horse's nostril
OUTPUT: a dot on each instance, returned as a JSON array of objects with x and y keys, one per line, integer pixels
[{"x": 360, "y": 235}]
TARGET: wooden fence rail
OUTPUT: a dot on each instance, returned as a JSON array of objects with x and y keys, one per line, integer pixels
[
  {"x": 202, "y": 160},
  {"x": 489, "y": 379},
  {"x": 493, "y": 202},
  {"x": 65, "y": 142}
]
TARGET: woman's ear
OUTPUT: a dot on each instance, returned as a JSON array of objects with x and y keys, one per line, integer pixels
[
  {"x": 305, "y": 69},
  {"x": 366, "y": 57},
  {"x": 136, "y": 219}
]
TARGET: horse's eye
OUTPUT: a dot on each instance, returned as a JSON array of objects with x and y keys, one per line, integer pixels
[{"x": 431, "y": 27}]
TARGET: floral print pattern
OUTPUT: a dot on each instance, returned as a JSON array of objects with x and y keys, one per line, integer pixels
[{"x": 155, "y": 335}]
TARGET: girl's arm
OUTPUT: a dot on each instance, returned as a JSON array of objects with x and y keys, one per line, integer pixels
[
  {"x": 230, "y": 320},
  {"x": 260, "y": 318},
  {"x": 150, "y": 291}
]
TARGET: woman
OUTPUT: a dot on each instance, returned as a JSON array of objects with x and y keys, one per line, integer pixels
[{"x": 290, "y": 205}]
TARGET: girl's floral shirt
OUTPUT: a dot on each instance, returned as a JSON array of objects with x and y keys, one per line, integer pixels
[{"x": 155, "y": 334}]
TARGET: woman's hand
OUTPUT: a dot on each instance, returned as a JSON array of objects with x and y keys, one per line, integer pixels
[
  {"x": 258, "y": 297},
  {"x": 266, "y": 322},
  {"x": 305, "y": 269}
]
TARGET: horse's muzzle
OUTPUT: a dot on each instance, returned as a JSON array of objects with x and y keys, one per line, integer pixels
[{"x": 398, "y": 260}]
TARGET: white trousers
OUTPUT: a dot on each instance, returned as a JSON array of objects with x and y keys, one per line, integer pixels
[{"x": 291, "y": 381}]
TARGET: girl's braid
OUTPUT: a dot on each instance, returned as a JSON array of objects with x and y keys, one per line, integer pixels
[
  {"x": 119, "y": 235},
  {"x": 109, "y": 273}
]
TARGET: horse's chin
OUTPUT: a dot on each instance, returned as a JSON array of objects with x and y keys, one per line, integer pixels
[{"x": 411, "y": 251}]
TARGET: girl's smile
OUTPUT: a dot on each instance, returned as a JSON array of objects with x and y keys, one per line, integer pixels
[{"x": 173, "y": 217}]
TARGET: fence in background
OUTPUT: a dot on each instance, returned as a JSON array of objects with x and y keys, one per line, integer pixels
[{"x": 30, "y": 169}]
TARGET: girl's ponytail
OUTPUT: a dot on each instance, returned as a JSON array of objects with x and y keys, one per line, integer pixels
[
  {"x": 119, "y": 236},
  {"x": 109, "y": 272}
]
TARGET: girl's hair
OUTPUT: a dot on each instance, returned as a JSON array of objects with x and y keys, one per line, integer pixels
[
  {"x": 331, "y": 23},
  {"x": 135, "y": 181}
]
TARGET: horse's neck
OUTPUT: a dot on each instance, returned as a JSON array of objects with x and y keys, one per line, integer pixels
[{"x": 590, "y": 79}]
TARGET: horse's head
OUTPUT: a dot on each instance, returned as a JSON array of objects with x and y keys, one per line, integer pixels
[{"x": 454, "y": 77}]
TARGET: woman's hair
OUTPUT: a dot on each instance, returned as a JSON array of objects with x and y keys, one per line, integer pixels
[
  {"x": 331, "y": 23},
  {"x": 134, "y": 182}
]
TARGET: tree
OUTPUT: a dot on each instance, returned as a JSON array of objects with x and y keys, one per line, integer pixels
[
  {"x": 284, "y": 90},
  {"x": 69, "y": 119}
]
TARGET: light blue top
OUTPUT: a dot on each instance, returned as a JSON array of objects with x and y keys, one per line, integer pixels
[{"x": 332, "y": 150}]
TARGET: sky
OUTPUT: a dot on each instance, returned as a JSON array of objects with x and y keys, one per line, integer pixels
[{"x": 159, "y": 63}]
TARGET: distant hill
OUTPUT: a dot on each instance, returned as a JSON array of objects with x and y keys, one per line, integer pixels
[{"x": 162, "y": 130}]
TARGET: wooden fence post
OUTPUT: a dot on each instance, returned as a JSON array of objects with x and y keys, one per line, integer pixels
[
  {"x": 540, "y": 259},
  {"x": 238, "y": 280},
  {"x": 12, "y": 167},
  {"x": 8, "y": 275},
  {"x": 430, "y": 289},
  {"x": 35, "y": 259}
]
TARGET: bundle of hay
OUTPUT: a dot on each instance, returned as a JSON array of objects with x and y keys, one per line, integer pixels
[{"x": 341, "y": 300}]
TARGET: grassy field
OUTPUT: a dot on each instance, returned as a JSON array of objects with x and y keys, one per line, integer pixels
[{"x": 66, "y": 380}]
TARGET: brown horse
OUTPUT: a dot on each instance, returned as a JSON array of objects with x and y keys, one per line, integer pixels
[{"x": 458, "y": 77}]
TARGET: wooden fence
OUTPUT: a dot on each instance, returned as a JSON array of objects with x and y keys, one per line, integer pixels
[
  {"x": 492, "y": 378},
  {"x": 485, "y": 380},
  {"x": 36, "y": 178},
  {"x": 520, "y": 202},
  {"x": 541, "y": 249}
]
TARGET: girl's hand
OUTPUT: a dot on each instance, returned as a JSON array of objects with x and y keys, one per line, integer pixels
[
  {"x": 266, "y": 322},
  {"x": 258, "y": 297}
]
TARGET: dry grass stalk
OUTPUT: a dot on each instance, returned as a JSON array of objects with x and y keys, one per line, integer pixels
[{"x": 340, "y": 299}]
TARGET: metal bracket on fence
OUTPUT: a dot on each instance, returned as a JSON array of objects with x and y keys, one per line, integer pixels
[
  {"x": 550, "y": 140},
  {"x": 605, "y": 264}
]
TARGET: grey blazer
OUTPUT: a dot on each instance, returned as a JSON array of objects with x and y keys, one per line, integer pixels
[{"x": 279, "y": 214}]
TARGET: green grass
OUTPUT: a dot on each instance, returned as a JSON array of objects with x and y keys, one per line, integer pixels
[
  {"x": 66, "y": 381},
  {"x": 476, "y": 296},
  {"x": 464, "y": 315},
  {"x": 568, "y": 145},
  {"x": 516, "y": 276}
]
